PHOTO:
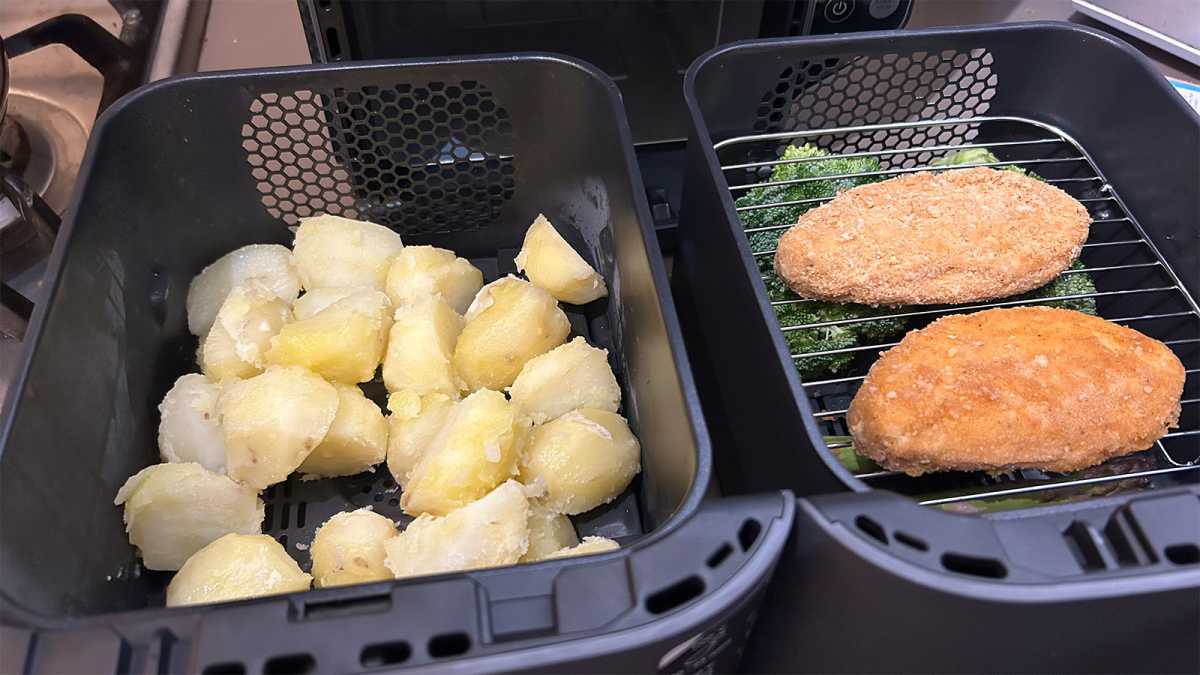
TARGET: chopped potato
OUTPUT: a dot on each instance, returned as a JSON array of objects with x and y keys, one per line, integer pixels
[
  {"x": 470, "y": 455},
  {"x": 343, "y": 342},
  {"x": 414, "y": 421},
  {"x": 190, "y": 430},
  {"x": 550, "y": 263},
  {"x": 489, "y": 532},
  {"x": 570, "y": 376},
  {"x": 308, "y": 305},
  {"x": 588, "y": 546},
  {"x": 237, "y": 343},
  {"x": 269, "y": 264},
  {"x": 583, "y": 459},
  {"x": 549, "y": 532},
  {"x": 331, "y": 251},
  {"x": 348, "y": 549},
  {"x": 174, "y": 510},
  {"x": 273, "y": 421},
  {"x": 420, "y": 349},
  {"x": 424, "y": 271},
  {"x": 236, "y": 567},
  {"x": 509, "y": 322},
  {"x": 357, "y": 439}
]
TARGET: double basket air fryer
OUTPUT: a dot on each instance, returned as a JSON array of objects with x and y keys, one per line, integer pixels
[{"x": 868, "y": 570}]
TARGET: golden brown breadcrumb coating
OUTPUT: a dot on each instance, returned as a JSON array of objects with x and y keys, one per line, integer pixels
[
  {"x": 1002, "y": 389},
  {"x": 932, "y": 238}
]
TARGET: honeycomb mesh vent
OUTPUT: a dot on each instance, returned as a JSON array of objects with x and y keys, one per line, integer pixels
[
  {"x": 421, "y": 159},
  {"x": 839, "y": 91}
]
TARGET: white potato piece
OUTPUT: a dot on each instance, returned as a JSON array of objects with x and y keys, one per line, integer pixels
[
  {"x": 356, "y": 441},
  {"x": 489, "y": 532},
  {"x": 332, "y": 251},
  {"x": 415, "y": 420},
  {"x": 549, "y": 532},
  {"x": 421, "y": 348},
  {"x": 509, "y": 322},
  {"x": 269, "y": 264},
  {"x": 583, "y": 459},
  {"x": 174, "y": 510},
  {"x": 189, "y": 428},
  {"x": 570, "y": 376},
  {"x": 236, "y": 567},
  {"x": 313, "y": 301},
  {"x": 237, "y": 343},
  {"x": 550, "y": 263},
  {"x": 273, "y": 421},
  {"x": 420, "y": 272},
  {"x": 471, "y": 454},
  {"x": 348, "y": 549},
  {"x": 343, "y": 342},
  {"x": 588, "y": 546}
]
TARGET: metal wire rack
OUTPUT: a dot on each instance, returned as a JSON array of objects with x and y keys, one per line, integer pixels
[{"x": 1134, "y": 286}]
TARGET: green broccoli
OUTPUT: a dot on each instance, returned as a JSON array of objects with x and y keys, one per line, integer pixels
[
  {"x": 787, "y": 215},
  {"x": 979, "y": 156},
  {"x": 1078, "y": 283}
]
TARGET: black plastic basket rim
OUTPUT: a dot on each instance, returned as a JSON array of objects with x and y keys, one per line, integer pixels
[{"x": 56, "y": 263}]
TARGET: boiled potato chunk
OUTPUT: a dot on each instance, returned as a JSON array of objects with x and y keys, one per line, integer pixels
[
  {"x": 356, "y": 441},
  {"x": 331, "y": 251},
  {"x": 549, "y": 532},
  {"x": 308, "y": 305},
  {"x": 588, "y": 546},
  {"x": 469, "y": 456},
  {"x": 489, "y": 532},
  {"x": 550, "y": 263},
  {"x": 235, "y": 567},
  {"x": 583, "y": 459},
  {"x": 348, "y": 549},
  {"x": 421, "y": 348},
  {"x": 269, "y": 264},
  {"x": 237, "y": 343},
  {"x": 273, "y": 421},
  {"x": 570, "y": 376},
  {"x": 343, "y": 342},
  {"x": 509, "y": 322},
  {"x": 189, "y": 429},
  {"x": 174, "y": 510},
  {"x": 415, "y": 420},
  {"x": 425, "y": 271}
]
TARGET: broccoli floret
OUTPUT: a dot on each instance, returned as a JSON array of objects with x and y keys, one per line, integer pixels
[
  {"x": 827, "y": 338},
  {"x": 787, "y": 215},
  {"x": 1079, "y": 283},
  {"x": 979, "y": 156}
]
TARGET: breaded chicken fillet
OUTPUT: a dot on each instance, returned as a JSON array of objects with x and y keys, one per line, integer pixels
[
  {"x": 1003, "y": 389},
  {"x": 932, "y": 238}
]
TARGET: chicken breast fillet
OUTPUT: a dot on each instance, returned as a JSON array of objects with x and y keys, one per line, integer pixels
[
  {"x": 933, "y": 238},
  {"x": 1003, "y": 389}
]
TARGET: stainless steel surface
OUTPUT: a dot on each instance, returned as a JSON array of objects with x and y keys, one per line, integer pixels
[
  {"x": 1171, "y": 25},
  {"x": 1086, "y": 183}
]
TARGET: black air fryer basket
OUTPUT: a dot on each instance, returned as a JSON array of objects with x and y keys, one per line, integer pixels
[
  {"x": 461, "y": 154},
  {"x": 953, "y": 561}
]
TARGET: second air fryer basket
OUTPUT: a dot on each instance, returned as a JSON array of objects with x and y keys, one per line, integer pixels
[{"x": 1038, "y": 97}]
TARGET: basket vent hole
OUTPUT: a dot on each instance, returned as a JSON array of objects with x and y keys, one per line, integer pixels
[
  {"x": 719, "y": 556},
  {"x": 1183, "y": 554},
  {"x": 301, "y": 513},
  {"x": 911, "y": 541},
  {"x": 872, "y": 529},
  {"x": 385, "y": 654},
  {"x": 449, "y": 644},
  {"x": 975, "y": 566},
  {"x": 675, "y": 595},
  {"x": 290, "y": 664},
  {"x": 229, "y": 668},
  {"x": 335, "y": 44},
  {"x": 748, "y": 533}
]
